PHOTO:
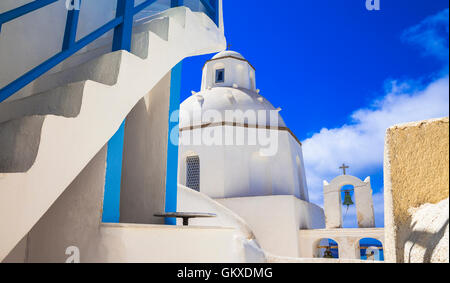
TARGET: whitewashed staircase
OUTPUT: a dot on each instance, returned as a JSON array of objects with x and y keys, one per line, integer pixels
[{"x": 50, "y": 130}]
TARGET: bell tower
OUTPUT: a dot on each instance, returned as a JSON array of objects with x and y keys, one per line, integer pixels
[{"x": 363, "y": 200}]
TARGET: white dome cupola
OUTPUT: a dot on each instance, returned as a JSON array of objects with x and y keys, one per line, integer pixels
[
  {"x": 228, "y": 84},
  {"x": 234, "y": 142},
  {"x": 228, "y": 69}
]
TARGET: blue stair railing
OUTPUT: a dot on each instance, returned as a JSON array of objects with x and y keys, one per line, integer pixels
[{"x": 122, "y": 25}]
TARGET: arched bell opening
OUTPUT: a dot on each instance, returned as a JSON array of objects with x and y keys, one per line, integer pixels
[
  {"x": 349, "y": 217},
  {"x": 327, "y": 248},
  {"x": 371, "y": 249}
]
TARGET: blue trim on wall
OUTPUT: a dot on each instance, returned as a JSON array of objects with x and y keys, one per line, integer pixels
[
  {"x": 111, "y": 199},
  {"x": 172, "y": 149}
]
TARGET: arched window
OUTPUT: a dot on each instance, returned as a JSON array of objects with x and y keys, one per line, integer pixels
[
  {"x": 193, "y": 172},
  {"x": 327, "y": 248},
  {"x": 371, "y": 249}
]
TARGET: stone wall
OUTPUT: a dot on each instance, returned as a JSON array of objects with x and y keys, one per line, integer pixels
[{"x": 416, "y": 173}]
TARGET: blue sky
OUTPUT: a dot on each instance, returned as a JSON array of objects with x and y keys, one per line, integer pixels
[{"x": 342, "y": 75}]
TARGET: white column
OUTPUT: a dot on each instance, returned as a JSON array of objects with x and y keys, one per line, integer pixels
[
  {"x": 348, "y": 248},
  {"x": 332, "y": 206},
  {"x": 364, "y": 205}
]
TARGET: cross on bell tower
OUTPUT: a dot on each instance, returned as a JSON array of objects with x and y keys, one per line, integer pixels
[{"x": 344, "y": 167}]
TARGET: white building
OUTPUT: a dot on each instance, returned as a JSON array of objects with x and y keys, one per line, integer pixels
[
  {"x": 236, "y": 149},
  {"x": 226, "y": 147},
  {"x": 90, "y": 135},
  {"x": 222, "y": 156}
]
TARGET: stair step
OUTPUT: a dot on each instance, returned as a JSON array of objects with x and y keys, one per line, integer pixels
[
  {"x": 44, "y": 148},
  {"x": 19, "y": 141},
  {"x": 88, "y": 63},
  {"x": 61, "y": 101}
]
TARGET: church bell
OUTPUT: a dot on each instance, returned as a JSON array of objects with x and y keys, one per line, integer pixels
[
  {"x": 348, "y": 199},
  {"x": 327, "y": 253}
]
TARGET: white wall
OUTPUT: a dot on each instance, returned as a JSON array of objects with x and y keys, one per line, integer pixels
[
  {"x": 126, "y": 243},
  {"x": 144, "y": 167},
  {"x": 276, "y": 220},
  {"x": 240, "y": 170},
  {"x": 236, "y": 72},
  {"x": 193, "y": 201},
  {"x": 66, "y": 145},
  {"x": 363, "y": 201},
  {"x": 347, "y": 240},
  {"x": 75, "y": 220}
]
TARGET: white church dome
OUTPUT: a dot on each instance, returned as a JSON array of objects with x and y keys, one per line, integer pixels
[
  {"x": 228, "y": 84},
  {"x": 233, "y": 142},
  {"x": 223, "y": 99},
  {"x": 228, "y": 53}
]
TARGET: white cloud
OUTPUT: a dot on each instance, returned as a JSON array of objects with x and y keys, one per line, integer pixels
[
  {"x": 431, "y": 35},
  {"x": 361, "y": 142}
]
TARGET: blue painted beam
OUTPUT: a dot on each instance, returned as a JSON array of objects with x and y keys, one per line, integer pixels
[
  {"x": 172, "y": 148},
  {"x": 176, "y": 3},
  {"x": 209, "y": 8},
  {"x": 216, "y": 13},
  {"x": 122, "y": 25},
  {"x": 30, "y": 76},
  {"x": 123, "y": 32},
  {"x": 23, "y": 10},
  {"x": 70, "y": 32},
  {"x": 113, "y": 179}
]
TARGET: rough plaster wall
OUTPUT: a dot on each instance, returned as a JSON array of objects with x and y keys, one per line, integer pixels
[
  {"x": 416, "y": 173},
  {"x": 144, "y": 159},
  {"x": 428, "y": 241}
]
